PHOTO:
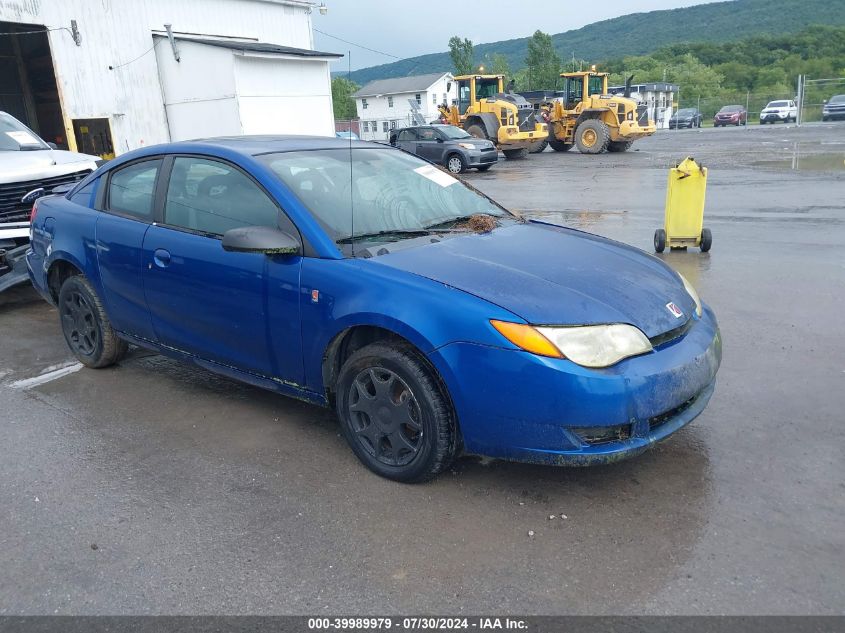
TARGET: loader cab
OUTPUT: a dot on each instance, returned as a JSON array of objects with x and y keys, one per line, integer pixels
[
  {"x": 473, "y": 88},
  {"x": 579, "y": 86}
]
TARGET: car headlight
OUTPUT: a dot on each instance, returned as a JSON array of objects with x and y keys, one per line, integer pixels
[
  {"x": 692, "y": 293},
  {"x": 585, "y": 345},
  {"x": 467, "y": 145}
]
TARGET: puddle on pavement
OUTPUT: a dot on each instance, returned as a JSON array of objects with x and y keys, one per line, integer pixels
[{"x": 795, "y": 161}]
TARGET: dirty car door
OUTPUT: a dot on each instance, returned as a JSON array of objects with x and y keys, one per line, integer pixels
[{"x": 237, "y": 309}]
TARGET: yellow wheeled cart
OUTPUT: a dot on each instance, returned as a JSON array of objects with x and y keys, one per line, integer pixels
[{"x": 683, "y": 225}]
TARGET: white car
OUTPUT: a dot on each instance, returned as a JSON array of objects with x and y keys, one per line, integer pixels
[
  {"x": 784, "y": 110},
  {"x": 29, "y": 168}
]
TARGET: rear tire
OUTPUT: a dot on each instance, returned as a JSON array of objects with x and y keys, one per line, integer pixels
[
  {"x": 511, "y": 154},
  {"x": 619, "y": 146},
  {"x": 455, "y": 164},
  {"x": 560, "y": 146},
  {"x": 706, "y": 240},
  {"x": 592, "y": 137},
  {"x": 85, "y": 325},
  {"x": 395, "y": 414},
  {"x": 660, "y": 240}
]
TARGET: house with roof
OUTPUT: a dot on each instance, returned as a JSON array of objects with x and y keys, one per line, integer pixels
[{"x": 388, "y": 104}]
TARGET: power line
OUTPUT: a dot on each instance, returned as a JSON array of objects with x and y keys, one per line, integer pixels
[
  {"x": 372, "y": 50},
  {"x": 137, "y": 58}
]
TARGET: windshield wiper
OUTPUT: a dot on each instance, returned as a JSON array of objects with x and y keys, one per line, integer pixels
[{"x": 391, "y": 233}]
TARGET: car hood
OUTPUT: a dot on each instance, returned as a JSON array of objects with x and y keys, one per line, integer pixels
[
  {"x": 552, "y": 275},
  {"x": 45, "y": 163}
]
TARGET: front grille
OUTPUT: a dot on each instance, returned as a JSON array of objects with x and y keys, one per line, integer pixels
[
  {"x": 525, "y": 118},
  {"x": 671, "y": 335},
  {"x": 594, "y": 435},
  {"x": 642, "y": 114},
  {"x": 661, "y": 419},
  {"x": 11, "y": 207}
]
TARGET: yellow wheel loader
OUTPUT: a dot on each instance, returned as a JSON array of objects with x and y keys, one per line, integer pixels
[
  {"x": 486, "y": 111},
  {"x": 592, "y": 120}
]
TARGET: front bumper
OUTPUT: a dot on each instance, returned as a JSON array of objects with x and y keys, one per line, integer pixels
[
  {"x": 13, "y": 270},
  {"x": 518, "y": 406},
  {"x": 476, "y": 158},
  {"x": 510, "y": 136},
  {"x": 631, "y": 130},
  {"x": 773, "y": 116}
]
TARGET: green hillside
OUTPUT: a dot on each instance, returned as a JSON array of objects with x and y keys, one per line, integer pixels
[{"x": 640, "y": 33}]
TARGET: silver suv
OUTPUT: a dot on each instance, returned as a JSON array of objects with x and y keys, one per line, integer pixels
[{"x": 29, "y": 169}]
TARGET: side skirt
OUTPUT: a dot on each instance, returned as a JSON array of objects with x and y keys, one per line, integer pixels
[{"x": 283, "y": 387}]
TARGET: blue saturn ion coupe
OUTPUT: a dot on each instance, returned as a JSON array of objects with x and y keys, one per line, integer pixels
[{"x": 356, "y": 276}]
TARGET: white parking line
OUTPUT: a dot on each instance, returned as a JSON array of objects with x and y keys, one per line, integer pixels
[{"x": 48, "y": 376}]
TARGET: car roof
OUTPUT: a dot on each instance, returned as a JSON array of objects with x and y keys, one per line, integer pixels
[{"x": 267, "y": 143}]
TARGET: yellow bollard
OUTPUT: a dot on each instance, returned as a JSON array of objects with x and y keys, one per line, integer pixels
[{"x": 683, "y": 224}]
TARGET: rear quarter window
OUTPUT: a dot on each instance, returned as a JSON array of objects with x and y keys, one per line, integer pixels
[{"x": 84, "y": 196}]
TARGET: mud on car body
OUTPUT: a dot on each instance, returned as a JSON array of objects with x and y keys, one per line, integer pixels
[{"x": 359, "y": 277}]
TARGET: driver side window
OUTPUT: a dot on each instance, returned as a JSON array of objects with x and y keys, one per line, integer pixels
[
  {"x": 208, "y": 196},
  {"x": 463, "y": 96}
]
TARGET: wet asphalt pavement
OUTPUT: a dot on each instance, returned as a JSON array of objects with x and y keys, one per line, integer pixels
[{"x": 154, "y": 487}]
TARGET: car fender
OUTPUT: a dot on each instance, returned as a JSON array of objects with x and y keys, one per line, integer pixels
[{"x": 338, "y": 295}]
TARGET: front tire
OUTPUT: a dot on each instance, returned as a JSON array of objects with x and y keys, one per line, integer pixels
[
  {"x": 477, "y": 131},
  {"x": 559, "y": 146},
  {"x": 619, "y": 146},
  {"x": 455, "y": 164},
  {"x": 539, "y": 147},
  {"x": 592, "y": 137},
  {"x": 512, "y": 154},
  {"x": 395, "y": 414},
  {"x": 85, "y": 325}
]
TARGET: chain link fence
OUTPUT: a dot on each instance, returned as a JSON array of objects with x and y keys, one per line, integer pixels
[
  {"x": 752, "y": 102},
  {"x": 810, "y": 97}
]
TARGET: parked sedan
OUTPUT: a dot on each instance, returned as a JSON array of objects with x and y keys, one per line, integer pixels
[
  {"x": 784, "y": 110},
  {"x": 447, "y": 145},
  {"x": 359, "y": 277},
  {"x": 834, "y": 109},
  {"x": 731, "y": 115},
  {"x": 686, "y": 117}
]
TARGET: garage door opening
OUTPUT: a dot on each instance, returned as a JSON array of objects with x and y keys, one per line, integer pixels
[{"x": 28, "y": 80}]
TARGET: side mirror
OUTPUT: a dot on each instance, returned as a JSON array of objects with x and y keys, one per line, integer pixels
[
  {"x": 260, "y": 239},
  {"x": 52, "y": 145},
  {"x": 438, "y": 139}
]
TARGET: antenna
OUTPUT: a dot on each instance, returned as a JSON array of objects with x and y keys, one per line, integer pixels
[{"x": 351, "y": 194}]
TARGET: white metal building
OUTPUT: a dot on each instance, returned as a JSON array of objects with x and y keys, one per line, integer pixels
[
  {"x": 388, "y": 104},
  {"x": 105, "y": 77},
  {"x": 659, "y": 98}
]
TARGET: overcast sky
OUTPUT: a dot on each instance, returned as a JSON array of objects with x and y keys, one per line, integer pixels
[{"x": 406, "y": 29}]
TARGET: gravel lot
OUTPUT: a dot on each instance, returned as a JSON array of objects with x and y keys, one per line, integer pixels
[{"x": 158, "y": 488}]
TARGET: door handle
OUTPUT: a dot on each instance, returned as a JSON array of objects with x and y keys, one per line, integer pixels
[{"x": 161, "y": 258}]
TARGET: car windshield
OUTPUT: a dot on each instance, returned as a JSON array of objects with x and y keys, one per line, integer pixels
[
  {"x": 450, "y": 131},
  {"x": 777, "y": 104},
  {"x": 733, "y": 108},
  {"x": 686, "y": 112},
  {"x": 16, "y": 137},
  {"x": 838, "y": 99},
  {"x": 389, "y": 191}
]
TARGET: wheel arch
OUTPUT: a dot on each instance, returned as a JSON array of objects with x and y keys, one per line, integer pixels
[
  {"x": 592, "y": 113},
  {"x": 354, "y": 337},
  {"x": 59, "y": 270}
]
